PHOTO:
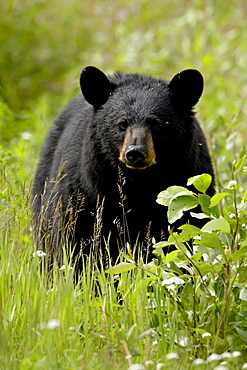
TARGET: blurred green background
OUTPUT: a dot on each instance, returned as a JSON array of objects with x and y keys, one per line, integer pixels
[{"x": 45, "y": 45}]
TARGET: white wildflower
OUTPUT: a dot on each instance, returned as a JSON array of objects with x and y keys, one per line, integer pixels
[
  {"x": 136, "y": 367},
  {"x": 232, "y": 184},
  {"x": 51, "y": 324},
  {"x": 39, "y": 253},
  {"x": 26, "y": 136},
  {"x": 160, "y": 365},
  {"x": 214, "y": 357},
  {"x": 236, "y": 354},
  {"x": 197, "y": 362},
  {"x": 244, "y": 367},
  {"x": 182, "y": 340},
  {"x": 63, "y": 268},
  {"x": 220, "y": 367},
  {"x": 226, "y": 355},
  {"x": 172, "y": 356},
  {"x": 55, "y": 289},
  {"x": 173, "y": 280},
  {"x": 206, "y": 335},
  {"x": 149, "y": 363}
]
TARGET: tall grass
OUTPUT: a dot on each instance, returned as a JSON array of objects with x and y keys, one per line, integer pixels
[{"x": 181, "y": 311}]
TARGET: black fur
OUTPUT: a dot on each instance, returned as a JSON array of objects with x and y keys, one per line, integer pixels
[{"x": 83, "y": 147}]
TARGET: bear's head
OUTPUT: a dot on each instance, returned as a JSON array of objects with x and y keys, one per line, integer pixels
[{"x": 139, "y": 116}]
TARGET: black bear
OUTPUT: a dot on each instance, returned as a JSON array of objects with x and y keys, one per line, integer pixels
[{"x": 108, "y": 155}]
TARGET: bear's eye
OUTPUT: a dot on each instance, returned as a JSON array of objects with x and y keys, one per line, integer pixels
[
  {"x": 156, "y": 127},
  {"x": 123, "y": 125},
  {"x": 154, "y": 124}
]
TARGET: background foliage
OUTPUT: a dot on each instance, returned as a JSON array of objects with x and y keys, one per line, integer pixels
[{"x": 44, "y": 46}]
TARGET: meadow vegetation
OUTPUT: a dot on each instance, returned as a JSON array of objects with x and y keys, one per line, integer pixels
[{"x": 182, "y": 311}]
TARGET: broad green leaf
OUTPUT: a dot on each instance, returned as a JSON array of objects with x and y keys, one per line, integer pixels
[
  {"x": 243, "y": 313},
  {"x": 127, "y": 257},
  {"x": 204, "y": 201},
  {"x": 190, "y": 228},
  {"x": 204, "y": 268},
  {"x": 242, "y": 273},
  {"x": 240, "y": 253},
  {"x": 243, "y": 294},
  {"x": 170, "y": 256},
  {"x": 188, "y": 232},
  {"x": 166, "y": 196},
  {"x": 210, "y": 240},
  {"x": 201, "y": 182},
  {"x": 226, "y": 238},
  {"x": 218, "y": 224},
  {"x": 179, "y": 205},
  {"x": 121, "y": 267},
  {"x": 243, "y": 207},
  {"x": 239, "y": 164},
  {"x": 163, "y": 244},
  {"x": 242, "y": 334},
  {"x": 217, "y": 198}
]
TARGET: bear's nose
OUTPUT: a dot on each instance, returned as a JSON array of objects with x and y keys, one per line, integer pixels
[{"x": 135, "y": 154}]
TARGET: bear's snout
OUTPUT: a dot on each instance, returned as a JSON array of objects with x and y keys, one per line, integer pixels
[
  {"x": 136, "y": 154},
  {"x": 138, "y": 151}
]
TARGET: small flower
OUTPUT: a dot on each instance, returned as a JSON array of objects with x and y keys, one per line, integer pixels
[
  {"x": 26, "y": 136},
  {"x": 206, "y": 335},
  {"x": 149, "y": 363},
  {"x": 136, "y": 367},
  {"x": 236, "y": 354},
  {"x": 232, "y": 184},
  {"x": 220, "y": 367},
  {"x": 51, "y": 290},
  {"x": 51, "y": 324},
  {"x": 172, "y": 356},
  {"x": 214, "y": 357},
  {"x": 226, "y": 355},
  {"x": 198, "y": 361},
  {"x": 160, "y": 365},
  {"x": 173, "y": 280},
  {"x": 244, "y": 367},
  {"x": 63, "y": 268},
  {"x": 39, "y": 253},
  {"x": 154, "y": 343}
]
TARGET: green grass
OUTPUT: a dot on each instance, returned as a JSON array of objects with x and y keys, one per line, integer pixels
[{"x": 46, "y": 320}]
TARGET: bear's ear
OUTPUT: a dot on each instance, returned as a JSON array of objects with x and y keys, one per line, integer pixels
[
  {"x": 186, "y": 88},
  {"x": 95, "y": 86}
]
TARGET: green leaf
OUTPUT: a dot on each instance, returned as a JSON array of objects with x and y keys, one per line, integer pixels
[
  {"x": 163, "y": 244},
  {"x": 240, "y": 253},
  {"x": 170, "y": 256},
  {"x": 226, "y": 238},
  {"x": 239, "y": 164},
  {"x": 219, "y": 224},
  {"x": 204, "y": 201},
  {"x": 210, "y": 240},
  {"x": 243, "y": 294},
  {"x": 201, "y": 182},
  {"x": 121, "y": 267},
  {"x": 179, "y": 205},
  {"x": 217, "y": 198},
  {"x": 242, "y": 273},
  {"x": 166, "y": 196},
  {"x": 190, "y": 228},
  {"x": 188, "y": 232},
  {"x": 243, "y": 207},
  {"x": 242, "y": 334}
]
